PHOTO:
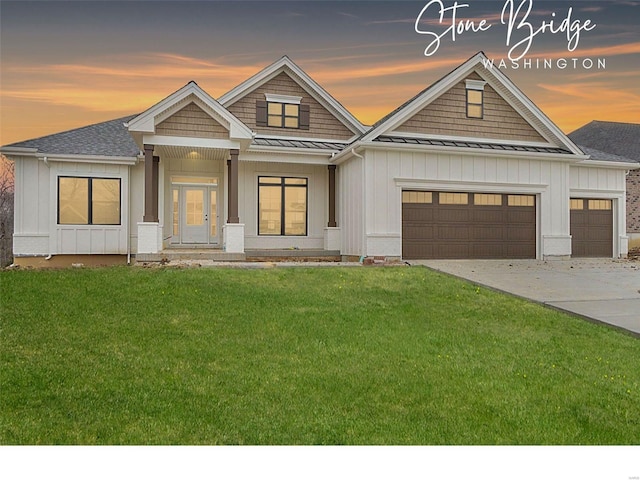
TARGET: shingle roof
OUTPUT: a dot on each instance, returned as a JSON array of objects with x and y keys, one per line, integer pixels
[
  {"x": 604, "y": 156},
  {"x": 480, "y": 145},
  {"x": 616, "y": 138},
  {"x": 109, "y": 138},
  {"x": 280, "y": 142}
]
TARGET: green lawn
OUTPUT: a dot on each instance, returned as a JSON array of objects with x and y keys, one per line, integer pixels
[{"x": 302, "y": 356}]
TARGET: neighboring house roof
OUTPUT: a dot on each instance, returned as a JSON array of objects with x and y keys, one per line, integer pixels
[
  {"x": 109, "y": 138},
  {"x": 604, "y": 156},
  {"x": 616, "y": 138}
]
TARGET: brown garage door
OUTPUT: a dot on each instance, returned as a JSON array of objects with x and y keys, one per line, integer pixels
[
  {"x": 468, "y": 225},
  {"x": 591, "y": 227}
]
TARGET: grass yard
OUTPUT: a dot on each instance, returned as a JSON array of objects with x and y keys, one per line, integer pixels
[{"x": 302, "y": 356}]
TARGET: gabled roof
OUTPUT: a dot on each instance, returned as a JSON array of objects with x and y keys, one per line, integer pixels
[
  {"x": 191, "y": 92},
  {"x": 498, "y": 81},
  {"x": 616, "y": 138},
  {"x": 108, "y": 138},
  {"x": 285, "y": 64}
]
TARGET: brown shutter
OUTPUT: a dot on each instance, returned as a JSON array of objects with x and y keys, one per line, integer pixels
[
  {"x": 304, "y": 117},
  {"x": 261, "y": 113}
]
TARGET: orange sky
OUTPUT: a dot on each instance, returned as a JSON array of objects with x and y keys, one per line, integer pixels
[{"x": 74, "y": 80}]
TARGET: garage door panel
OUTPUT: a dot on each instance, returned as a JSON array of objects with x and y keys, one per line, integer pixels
[
  {"x": 467, "y": 230},
  {"x": 592, "y": 229}
]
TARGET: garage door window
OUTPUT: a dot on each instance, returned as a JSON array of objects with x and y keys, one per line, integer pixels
[
  {"x": 599, "y": 204},
  {"x": 487, "y": 199},
  {"x": 521, "y": 200},
  {"x": 454, "y": 198},
  {"x": 577, "y": 204},
  {"x": 417, "y": 197}
]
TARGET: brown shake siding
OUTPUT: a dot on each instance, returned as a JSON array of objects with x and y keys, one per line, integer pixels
[
  {"x": 322, "y": 123},
  {"x": 633, "y": 201},
  {"x": 446, "y": 115},
  {"x": 192, "y": 121}
]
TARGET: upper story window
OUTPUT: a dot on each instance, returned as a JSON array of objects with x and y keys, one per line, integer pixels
[
  {"x": 285, "y": 115},
  {"x": 475, "y": 98},
  {"x": 282, "y": 111}
]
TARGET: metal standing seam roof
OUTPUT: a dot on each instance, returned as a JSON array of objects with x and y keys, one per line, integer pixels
[
  {"x": 280, "y": 142},
  {"x": 465, "y": 144}
]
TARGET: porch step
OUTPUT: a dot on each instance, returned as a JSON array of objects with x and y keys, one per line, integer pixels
[
  {"x": 283, "y": 255},
  {"x": 196, "y": 254}
]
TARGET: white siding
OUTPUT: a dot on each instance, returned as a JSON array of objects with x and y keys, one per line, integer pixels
[
  {"x": 31, "y": 214},
  {"x": 88, "y": 239},
  {"x": 387, "y": 172},
  {"x": 350, "y": 205}
]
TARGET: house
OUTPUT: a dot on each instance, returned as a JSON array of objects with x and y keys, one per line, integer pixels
[
  {"x": 623, "y": 140},
  {"x": 468, "y": 168}
]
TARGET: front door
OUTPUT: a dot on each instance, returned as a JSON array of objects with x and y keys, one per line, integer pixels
[
  {"x": 195, "y": 210},
  {"x": 195, "y": 215}
]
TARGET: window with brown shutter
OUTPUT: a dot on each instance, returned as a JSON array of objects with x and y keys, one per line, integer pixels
[{"x": 261, "y": 113}]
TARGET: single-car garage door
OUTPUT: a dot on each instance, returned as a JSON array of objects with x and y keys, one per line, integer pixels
[
  {"x": 468, "y": 225},
  {"x": 591, "y": 227}
]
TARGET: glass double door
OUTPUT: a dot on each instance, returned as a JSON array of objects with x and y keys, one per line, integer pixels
[{"x": 195, "y": 214}]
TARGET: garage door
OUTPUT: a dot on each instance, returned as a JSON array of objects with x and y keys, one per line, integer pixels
[
  {"x": 468, "y": 225},
  {"x": 591, "y": 227}
]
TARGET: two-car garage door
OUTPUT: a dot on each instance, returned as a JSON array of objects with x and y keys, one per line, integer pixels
[
  {"x": 468, "y": 225},
  {"x": 492, "y": 225}
]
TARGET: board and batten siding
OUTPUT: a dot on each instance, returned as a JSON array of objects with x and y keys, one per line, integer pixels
[
  {"x": 192, "y": 121},
  {"x": 317, "y": 204},
  {"x": 450, "y": 172},
  {"x": 31, "y": 215},
  {"x": 350, "y": 187},
  {"x": 322, "y": 123},
  {"x": 90, "y": 239},
  {"x": 36, "y": 211},
  {"x": 446, "y": 115}
]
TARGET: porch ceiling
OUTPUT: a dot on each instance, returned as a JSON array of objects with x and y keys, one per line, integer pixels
[{"x": 199, "y": 153}]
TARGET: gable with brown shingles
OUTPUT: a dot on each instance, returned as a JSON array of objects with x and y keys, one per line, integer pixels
[
  {"x": 192, "y": 121},
  {"x": 446, "y": 115},
  {"x": 323, "y": 124}
]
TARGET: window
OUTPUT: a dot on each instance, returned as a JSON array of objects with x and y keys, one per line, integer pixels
[
  {"x": 453, "y": 198},
  {"x": 285, "y": 115},
  {"x": 487, "y": 199},
  {"x": 417, "y": 197},
  {"x": 282, "y": 206},
  {"x": 577, "y": 204},
  {"x": 475, "y": 98},
  {"x": 88, "y": 201},
  {"x": 474, "y": 103},
  {"x": 521, "y": 200},
  {"x": 599, "y": 204}
]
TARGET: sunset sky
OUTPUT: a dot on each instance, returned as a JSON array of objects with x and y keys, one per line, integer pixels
[{"x": 69, "y": 64}]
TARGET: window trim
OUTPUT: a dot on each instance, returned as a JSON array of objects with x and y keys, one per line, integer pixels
[
  {"x": 89, "y": 200},
  {"x": 472, "y": 104},
  {"x": 283, "y": 186}
]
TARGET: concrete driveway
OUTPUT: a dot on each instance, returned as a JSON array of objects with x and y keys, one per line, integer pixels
[{"x": 604, "y": 290}]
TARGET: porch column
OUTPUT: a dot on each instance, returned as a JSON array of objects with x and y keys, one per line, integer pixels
[
  {"x": 233, "y": 230},
  {"x": 150, "y": 185},
  {"x": 232, "y": 165},
  {"x": 332, "y": 196},
  {"x": 332, "y": 236}
]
